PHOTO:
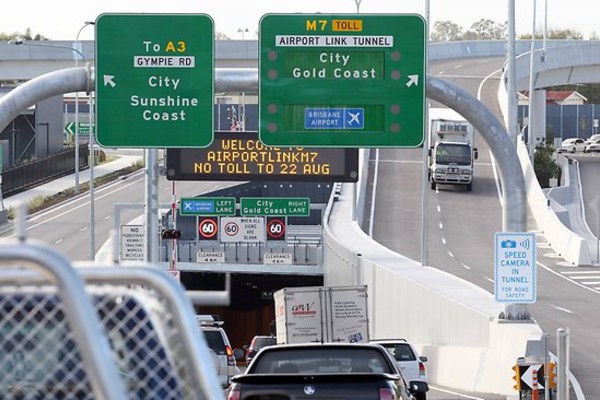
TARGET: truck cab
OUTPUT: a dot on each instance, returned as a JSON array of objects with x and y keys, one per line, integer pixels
[{"x": 451, "y": 154}]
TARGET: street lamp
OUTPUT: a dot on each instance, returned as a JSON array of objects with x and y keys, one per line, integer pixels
[
  {"x": 86, "y": 23},
  {"x": 243, "y": 31}
]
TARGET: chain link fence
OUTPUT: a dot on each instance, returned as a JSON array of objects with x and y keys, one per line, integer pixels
[{"x": 156, "y": 349}]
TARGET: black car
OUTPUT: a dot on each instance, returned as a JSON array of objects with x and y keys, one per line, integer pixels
[
  {"x": 323, "y": 371},
  {"x": 257, "y": 343}
]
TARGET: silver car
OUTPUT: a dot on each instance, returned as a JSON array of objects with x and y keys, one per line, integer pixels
[
  {"x": 592, "y": 147},
  {"x": 411, "y": 364},
  {"x": 572, "y": 145}
]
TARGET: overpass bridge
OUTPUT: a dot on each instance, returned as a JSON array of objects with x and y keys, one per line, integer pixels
[{"x": 466, "y": 316}]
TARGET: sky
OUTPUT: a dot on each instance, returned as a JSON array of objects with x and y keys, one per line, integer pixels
[{"x": 63, "y": 19}]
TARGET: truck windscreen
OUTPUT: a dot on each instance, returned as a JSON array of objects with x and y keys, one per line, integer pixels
[{"x": 455, "y": 153}]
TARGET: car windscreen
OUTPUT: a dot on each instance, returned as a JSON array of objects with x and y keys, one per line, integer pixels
[
  {"x": 214, "y": 339},
  {"x": 320, "y": 361},
  {"x": 400, "y": 351},
  {"x": 259, "y": 343}
]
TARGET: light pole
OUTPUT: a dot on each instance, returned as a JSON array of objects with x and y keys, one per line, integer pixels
[{"x": 86, "y": 23}]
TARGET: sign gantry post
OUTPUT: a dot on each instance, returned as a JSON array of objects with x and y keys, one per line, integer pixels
[
  {"x": 342, "y": 80},
  {"x": 154, "y": 80}
]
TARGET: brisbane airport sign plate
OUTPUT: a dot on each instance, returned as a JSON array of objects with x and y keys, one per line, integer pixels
[
  {"x": 355, "y": 80},
  {"x": 154, "y": 80},
  {"x": 241, "y": 156}
]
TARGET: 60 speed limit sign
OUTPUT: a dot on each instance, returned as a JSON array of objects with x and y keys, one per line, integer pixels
[
  {"x": 208, "y": 228},
  {"x": 275, "y": 229}
]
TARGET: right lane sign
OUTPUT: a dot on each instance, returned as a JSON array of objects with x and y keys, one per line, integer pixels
[{"x": 515, "y": 259}]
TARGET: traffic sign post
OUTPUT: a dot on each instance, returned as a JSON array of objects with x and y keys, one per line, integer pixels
[
  {"x": 515, "y": 267},
  {"x": 154, "y": 80},
  {"x": 207, "y": 206},
  {"x": 342, "y": 80},
  {"x": 208, "y": 228},
  {"x": 273, "y": 206}
]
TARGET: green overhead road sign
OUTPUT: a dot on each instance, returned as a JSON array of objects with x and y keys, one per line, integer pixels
[
  {"x": 273, "y": 206},
  {"x": 207, "y": 206},
  {"x": 342, "y": 80},
  {"x": 154, "y": 80}
]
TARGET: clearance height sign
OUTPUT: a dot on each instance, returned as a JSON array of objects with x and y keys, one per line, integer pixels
[
  {"x": 154, "y": 80},
  {"x": 240, "y": 156},
  {"x": 342, "y": 80}
]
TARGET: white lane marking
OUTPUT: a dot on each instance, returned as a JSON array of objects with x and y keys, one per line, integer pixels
[
  {"x": 581, "y": 277},
  {"x": 591, "y": 283},
  {"x": 450, "y": 254},
  {"x": 444, "y": 240},
  {"x": 494, "y": 169},
  {"x": 83, "y": 229},
  {"x": 108, "y": 217},
  {"x": 58, "y": 241},
  {"x": 561, "y": 309},
  {"x": 489, "y": 279},
  {"x": 579, "y": 272},
  {"x": 439, "y": 209},
  {"x": 441, "y": 72},
  {"x": 465, "y": 265},
  {"x": 71, "y": 209},
  {"x": 457, "y": 66},
  {"x": 566, "y": 278},
  {"x": 441, "y": 225},
  {"x": 455, "y": 393}
]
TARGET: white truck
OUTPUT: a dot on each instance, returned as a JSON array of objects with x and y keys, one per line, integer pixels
[
  {"x": 451, "y": 151},
  {"x": 321, "y": 314}
]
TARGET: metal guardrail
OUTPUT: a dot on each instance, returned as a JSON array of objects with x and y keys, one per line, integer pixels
[{"x": 97, "y": 332}]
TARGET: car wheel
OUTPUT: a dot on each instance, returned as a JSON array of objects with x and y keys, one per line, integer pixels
[{"x": 573, "y": 150}]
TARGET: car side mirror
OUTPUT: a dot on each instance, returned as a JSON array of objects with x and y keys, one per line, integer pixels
[
  {"x": 475, "y": 154},
  {"x": 423, "y": 358}
]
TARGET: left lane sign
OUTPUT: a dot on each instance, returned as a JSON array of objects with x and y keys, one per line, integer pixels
[{"x": 155, "y": 80}]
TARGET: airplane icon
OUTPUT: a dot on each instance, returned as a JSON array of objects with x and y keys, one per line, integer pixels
[{"x": 354, "y": 117}]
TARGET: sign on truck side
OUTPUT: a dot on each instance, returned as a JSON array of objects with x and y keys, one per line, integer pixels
[{"x": 322, "y": 314}]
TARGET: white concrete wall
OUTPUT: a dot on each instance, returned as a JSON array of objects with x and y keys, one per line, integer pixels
[
  {"x": 452, "y": 321},
  {"x": 563, "y": 241}
]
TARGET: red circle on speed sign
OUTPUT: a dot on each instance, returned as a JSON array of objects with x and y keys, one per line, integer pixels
[
  {"x": 275, "y": 229},
  {"x": 208, "y": 228}
]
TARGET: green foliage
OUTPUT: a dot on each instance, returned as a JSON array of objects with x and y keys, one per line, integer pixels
[
  {"x": 544, "y": 164},
  {"x": 446, "y": 31},
  {"x": 28, "y": 35}
]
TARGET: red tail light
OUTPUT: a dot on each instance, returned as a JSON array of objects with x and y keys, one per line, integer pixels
[
  {"x": 230, "y": 358},
  {"x": 421, "y": 370},
  {"x": 386, "y": 394},
  {"x": 234, "y": 394}
]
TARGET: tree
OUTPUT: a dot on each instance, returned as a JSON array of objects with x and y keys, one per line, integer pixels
[
  {"x": 446, "y": 31},
  {"x": 24, "y": 36},
  {"x": 565, "y": 34},
  {"x": 543, "y": 162},
  {"x": 486, "y": 29}
]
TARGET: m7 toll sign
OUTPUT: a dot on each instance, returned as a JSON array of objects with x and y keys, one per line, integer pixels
[
  {"x": 154, "y": 80},
  {"x": 240, "y": 156},
  {"x": 342, "y": 80}
]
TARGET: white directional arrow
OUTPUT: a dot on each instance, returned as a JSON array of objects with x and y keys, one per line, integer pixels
[
  {"x": 413, "y": 80},
  {"x": 527, "y": 376},
  {"x": 108, "y": 80}
]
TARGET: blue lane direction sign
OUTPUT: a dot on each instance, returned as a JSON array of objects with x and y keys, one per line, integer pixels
[
  {"x": 515, "y": 267},
  {"x": 334, "y": 118},
  {"x": 208, "y": 206}
]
